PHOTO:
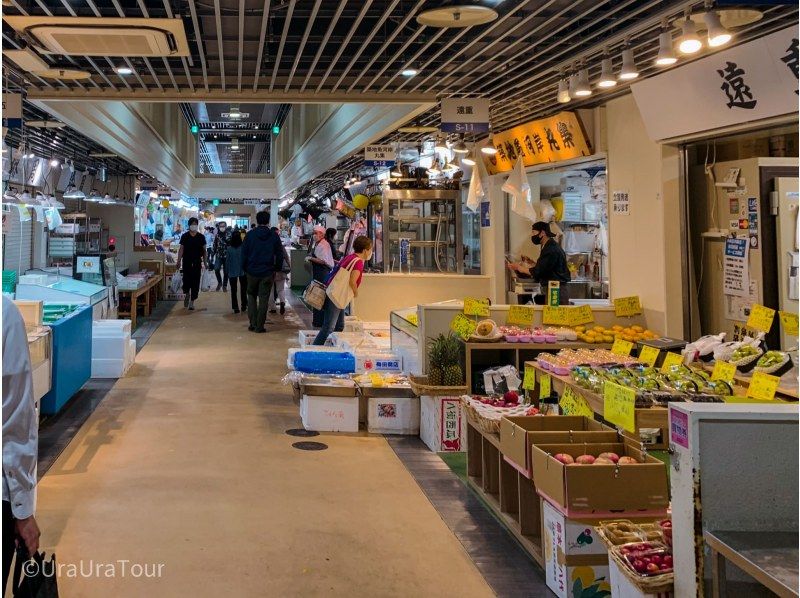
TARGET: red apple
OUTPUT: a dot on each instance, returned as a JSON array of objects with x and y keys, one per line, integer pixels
[
  {"x": 667, "y": 560},
  {"x": 511, "y": 397},
  {"x": 665, "y": 567},
  {"x": 639, "y": 566},
  {"x": 601, "y": 460},
  {"x": 565, "y": 458},
  {"x": 627, "y": 461},
  {"x": 532, "y": 411},
  {"x": 652, "y": 568},
  {"x": 656, "y": 558},
  {"x": 585, "y": 460},
  {"x": 613, "y": 456}
]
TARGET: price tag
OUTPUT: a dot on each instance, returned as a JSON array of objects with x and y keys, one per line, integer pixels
[
  {"x": 619, "y": 406},
  {"x": 521, "y": 315},
  {"x": 413, "y": 318},
  {"x": 529, "y": 381},
  {"x": 671, "y": 359},
  {"x": 789, "y": 323},
  {"x": 581, "y": 315},
  {"x": 723, "y": 371},
  {"x": 476, "y": 307},
  {"x": 559, "y": 316},
  {"x": 760, "y": 318},
  {"x": 763, "y": 386},
  {"x": 544, "y": 386},
  {"x": 649, "y": 355},
  {"x": 622, "y": 347},
  {"x": 627, "y": 306},
  {"x": 463, "y": 326},
  {"x": 572, "y": 403}
]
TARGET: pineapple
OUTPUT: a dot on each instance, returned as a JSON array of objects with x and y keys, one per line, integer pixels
[
  {"x": 435, "y": 354},
  {"x": 445, "y": 361}
]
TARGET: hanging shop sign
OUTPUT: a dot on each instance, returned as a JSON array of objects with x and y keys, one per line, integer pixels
[
  {"x": 750, "y": 82},
  {"x": 381, "y": 156},
  {"x": 542, "y": 141},
  {"x": 12, "y": 111},
  {"x": 465, "y": 115}
]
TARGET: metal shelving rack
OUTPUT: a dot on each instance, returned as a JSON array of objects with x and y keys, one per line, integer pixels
[{"x": 86, "y": 238}]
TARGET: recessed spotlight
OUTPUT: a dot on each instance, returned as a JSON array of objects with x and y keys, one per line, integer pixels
[
  {"x": 410, "y": 72},
  {"x": 124, "y": 70}
]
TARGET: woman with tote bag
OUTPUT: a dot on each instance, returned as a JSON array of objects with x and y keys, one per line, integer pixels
[{"x": 343, "y": 286}]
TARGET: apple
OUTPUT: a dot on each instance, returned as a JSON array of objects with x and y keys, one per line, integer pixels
[
  {"x": 667, "y": 560},
  {"x": 627, "y": 461},
  {"x": 565, "y": 458},
  {"x": 532, "y": 411},
  {"x": 585, "y": 460},
  {"x": 624, "y": 550},
  {"x": 511, "y": 397},
  {"x": 639, "y": 566},
  {"x": 614, "y": 457},
  {"x": 652, "y": 568},
  {"x": 601, "y": 460},
  {"x": 486, "y": 401},
  {"x": 656, "y": 558}
]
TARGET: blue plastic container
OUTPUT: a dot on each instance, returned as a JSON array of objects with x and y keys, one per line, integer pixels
[{"x": 324, "y": 362}]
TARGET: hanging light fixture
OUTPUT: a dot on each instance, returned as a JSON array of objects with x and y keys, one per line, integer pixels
[
  {"x": 54, "y": 162},
  {"x": 441, "y": 143},
  {"x": 563, "y": 92},
  {"x": 607, "y": 78},
  {"x": 10, "y": 196},
  {"x": 460, "y": 147},
  {"x": 74, "y": 193},
  {"x": 469, "y": 159},
  {"x": 94, "y": 196},
  {"x": 717, "y": 34},
  {"x": 629, "y": 70},
  {"x": 489, "y": 148},
  {"x": 573, "y": 85},
  {"x": 434, "y": 169},
  {"x": 396, "y": 172},
  {"x": 582, "y": 87},
  {"x": 666, "y": 55},
  {"x": 689, "y": 41}
]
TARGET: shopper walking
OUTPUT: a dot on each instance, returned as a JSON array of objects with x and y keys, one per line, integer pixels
[
  {"x": 236, "y": 274},
  {"x": 209, "y": 236},
  {"x": 321, "y": 259},
  {"x": 192, "y": 254},
  {"x": 278, "y": 296},
  {"x": 551, "y": 265},
  {"x": 221, "y": 242},
  {"x": 20, "y": 440},
  {"x": 334, "y": 315},
  {"x": 330, "y": 237},
  {"x": 262, "y": 254}
]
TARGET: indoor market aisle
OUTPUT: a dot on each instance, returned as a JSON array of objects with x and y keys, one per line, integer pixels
[{"x": 186, "y": 463}]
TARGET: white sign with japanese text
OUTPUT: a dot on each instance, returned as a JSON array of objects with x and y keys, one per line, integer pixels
[
  {"x": 750, "y": 82},
  {"x": 621, "y": 204},
  {"x": 735, "y": 270},
  {"x": 465, "y": 115},
  {"x": 379, "y": 155},
  {"x": 12, "y": 110}
]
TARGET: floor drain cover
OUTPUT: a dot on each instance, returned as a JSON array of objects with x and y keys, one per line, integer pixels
[
  {"x": 310, "y": 446},
  {"x": 302, "y": 433}
]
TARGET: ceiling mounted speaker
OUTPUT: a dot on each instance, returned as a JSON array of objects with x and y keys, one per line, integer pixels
[
  {"x": 457, "y": 16},
  {"x": 63, "y": 74},
  {"x": 101, "y": 36}
]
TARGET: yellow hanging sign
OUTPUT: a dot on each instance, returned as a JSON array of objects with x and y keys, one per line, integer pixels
[
  {"x": 627, "y": 306},
  {"x": 520, "y": 315},
  {"x": 557, "y": 316},
  {"x": 572, "y": 403},
  {"x": 476, "y": 307},
  {"x": 723, "y": 371},
  {"x": 649, "y": 355},
  {"x": 763, "y": 386},
  {"x": 529, "y": 380},
  {"x": 619, "y": 406},
  {"x": 761, "y": 318},
  {"x": 581, "y": 315},
  {"x": 622, "y": 347},
  {"x": 789, "y": 323},
  {"x": 545, "y": 387},
  {"x": 463, "y": 326},
  {"x": 671, "y": 359}
]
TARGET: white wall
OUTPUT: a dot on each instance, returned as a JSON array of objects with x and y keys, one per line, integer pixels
[{"x": 119, "y": 221}]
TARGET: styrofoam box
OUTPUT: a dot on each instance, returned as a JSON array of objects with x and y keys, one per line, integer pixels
[
  {"x": 329, "y": 414},
  {"x": 562, "y": 538},
  {"x": 622, "y": 587},
  {"x": 306, "y": 337},
  {"x": 109, "y": 368},
  {"x": 130, "y": 355},
  {"x": 353, "y": 324},
  {"x": 376, "y": 326},
  {"x": 111, "y": 347},
  {"x": 393, "y": 416},
  {"x": 441, "y": 424},
  {"x": 111, "y": 328}
]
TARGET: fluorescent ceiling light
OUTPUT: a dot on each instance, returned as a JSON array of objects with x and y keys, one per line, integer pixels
[
  {"x": 124, "y": 70},
  {"x": 666, "y": 55},
  {"x": 689, "y": 42},
  {"x": 607, "y": 78},
  {"x": 409, "y": 72},
  {"x": 629, "y": 70},
  {"x": 717, "y": 34}
]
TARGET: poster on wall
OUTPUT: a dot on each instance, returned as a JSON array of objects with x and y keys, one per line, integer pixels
[
  {"x": 738, "y": 308},
  {"x": 735, "y": 270},
  {"x": 621, "y": 204}
]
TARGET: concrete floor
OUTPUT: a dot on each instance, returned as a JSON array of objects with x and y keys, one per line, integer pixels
[{"x": 186, "y": 464}]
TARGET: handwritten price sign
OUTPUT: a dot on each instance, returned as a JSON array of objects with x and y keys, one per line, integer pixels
[
  {"x": 671, "y": 359},
  {"x": 476, "y": 307},
  {"x": 581, "y": 315},
  {"x": 463, "y": 326},
  {"x": 545, "y": 387},
  {"x": 763, "y": 386},
  {"x": 723, "y": 371},
  {"x": 520, "y": 315},
  {"x": 789, "y": 323},
  {"x": 621, "y": 347},
  {"x": 558, "y": 316},
  {"x": 761, "y": 318},
  {"x": 627, "y": 306},
  {"x": 572, "y": 403},
  {"x": 529, "y": 381},
  {"x": 649, "y": 355},
  {"x": 619, "y": 406}
]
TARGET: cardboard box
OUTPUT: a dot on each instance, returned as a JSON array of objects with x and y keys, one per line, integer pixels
[
  {"x": 600, "y": 490},
  {"x": 442, "y": 426},
  {"x": 398, "y": 415},
  {"x": 622, "y": 587},
  {"x": 517, "y": 434},
  {"x": 329, "y": 414},
  {"x": 575, "y": 560}
]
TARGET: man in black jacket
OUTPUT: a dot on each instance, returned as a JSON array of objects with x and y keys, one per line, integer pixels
[
  {"x": 262, "y": 256},
  {"x": 552, "y": 263}
]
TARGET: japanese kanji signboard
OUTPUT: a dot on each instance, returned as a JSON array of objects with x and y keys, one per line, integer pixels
[
  {"x": 552, "y": 139},
  {"x": 465, "y": 115},
  {"x": 379, "y": 155}
]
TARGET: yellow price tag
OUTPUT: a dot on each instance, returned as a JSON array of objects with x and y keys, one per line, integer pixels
[
  {"x": 627, "y": 306},
  {"x": 476, "y": 307},
  {"x": 529, "y": 381},
  {"x": 463, "y": 326},
  {"x": 622, "y": 347},
  {"x": 619, "y": 406},
  {"x": 558, "y": 316},
  {"x": 545, "y": 387},
  {"x": 581, "y": 315},
  {"x": 413, "y": 318},
  {"x": 760, "y": 318},
  {"x": 521, "y": 315},
  {"x": 723, "y": 371},
  {"x": 649, "y": 355},
  {"x": 671, "y": 359},
  {"x": 763, "y": 386},
  {"x": 789, "y": 323},
  {"x": 572, "y": 403}
]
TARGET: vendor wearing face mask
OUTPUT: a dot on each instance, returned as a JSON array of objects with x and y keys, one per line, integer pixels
[{"x": 552, "y": 263}]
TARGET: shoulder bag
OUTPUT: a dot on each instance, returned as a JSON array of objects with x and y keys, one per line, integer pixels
[{"x": 339, "y": 289}]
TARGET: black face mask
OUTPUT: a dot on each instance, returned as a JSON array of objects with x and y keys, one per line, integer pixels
[{"x": 537, "y": 240}]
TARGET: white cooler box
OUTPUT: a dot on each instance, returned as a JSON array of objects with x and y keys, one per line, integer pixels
[
  {"x": 329, "y": 414},
  {"x": 110, "y": 347},
  {"x": 109, "y": 368},
  {"x": 441, "y": 425},
  {"x": 393, "y": 415},
  {"x": 106, "y": 328},
  {"x": 306, "y": 338}
]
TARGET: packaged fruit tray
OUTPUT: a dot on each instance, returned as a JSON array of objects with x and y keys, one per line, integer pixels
[
  {"x": 562, "y": 362},
  {"x": 648, "y": 565},
  {"x": 486, "y": 412},
  {"x": 600, "y": 334},
  {"x": 616, "y": 532},
  {"x": 515, "y": 334}
]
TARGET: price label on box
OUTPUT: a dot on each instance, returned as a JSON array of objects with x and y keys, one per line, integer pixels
[
  {"x": 622, "y": 347},
  {"x": 463, "y": 326},
  {"x": 545, "y": 387},
  {"x": 529, "y": 381},
  {"x": 761, "y": 318},
  {"x": 520, "y": 315},
  {"x": 558, "y": 316},
  {"x": 789, "y": 323},
  {"x": 671, "y": 359},
  {"x": 619, "y": 406},
  {"x": 723, "y": 371},
  {"x": 649, "y": 355},
  {"x": 627, "y": 306},
  {"x": 581, "y": 315},
  {"x": 763, "y": 386},
  {"x": 572, "y": 403},
  {"x": 476, "y": 307}
]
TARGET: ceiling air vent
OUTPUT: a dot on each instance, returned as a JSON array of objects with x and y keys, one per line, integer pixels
[{"x": 87, "y": 36}]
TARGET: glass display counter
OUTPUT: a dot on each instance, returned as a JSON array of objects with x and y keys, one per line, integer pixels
[
  {"x": 59, "y": 289},
  {"x": 404, "y": 333}
]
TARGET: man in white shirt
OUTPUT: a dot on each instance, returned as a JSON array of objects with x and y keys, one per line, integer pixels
[{"x": 20, "y": 439}]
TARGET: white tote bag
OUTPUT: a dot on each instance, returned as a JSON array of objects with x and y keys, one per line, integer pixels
[
  {"x": 339, "y": 289},
  {"x": 208, "y": 280},
  {"x": 177, "y": 283}
]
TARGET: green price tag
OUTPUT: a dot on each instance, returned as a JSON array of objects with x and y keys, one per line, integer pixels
[
  {"x": 619, "y": 406},
  {"x": 572, "y": 403},
  {"x": 529, "y": 381},
  {"x": 476, "y": 307},
  {"x": 544, "y": 386},
  {"x": 671, "y": 359},
  {"x": 649, "y": 355},
  {"x": 463, "y": 326},
  {"x": 723, "y": 371}
]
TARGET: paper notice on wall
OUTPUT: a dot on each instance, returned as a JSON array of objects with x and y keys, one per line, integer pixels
[
  {"x": 621, "y": 204},
  {"x": 735, "y": 271},
  {"x": 738, "y": 308}
]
